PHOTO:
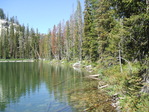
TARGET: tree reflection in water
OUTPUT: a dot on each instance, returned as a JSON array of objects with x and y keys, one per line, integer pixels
[{"x": 19, "y": 81}]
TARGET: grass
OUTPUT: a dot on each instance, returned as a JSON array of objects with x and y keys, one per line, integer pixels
[{"x": 128, "y": 85}]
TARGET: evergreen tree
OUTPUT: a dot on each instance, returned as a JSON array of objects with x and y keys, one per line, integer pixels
[
  {"x": 59, "y": 41},
  {"x": 72, "y": 36},
  {"x": 54, "y": 42},
  {"x": 90, "y": 44},
  {"x": 11, "y": 41},
  {"x": 67, "y": 41},
  {"x": 79, "y": 30},
  {"x": 49, "y": 45},
  {"x": 21, "y": 41},
  {"x": 2, "y": 14},
  {"x": 27, "y": 43},
  {"x": 17, "y": 34},
  {"x": 105, "y": 22}
]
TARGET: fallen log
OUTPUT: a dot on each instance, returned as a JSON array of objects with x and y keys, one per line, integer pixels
[
  {"x": 95, "y": 77},
  {"x": 100, "y": 87}
]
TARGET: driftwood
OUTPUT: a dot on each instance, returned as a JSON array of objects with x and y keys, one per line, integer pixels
[
  {"x": 95, "y": 77},
  {"x": 100, "y": 87}
]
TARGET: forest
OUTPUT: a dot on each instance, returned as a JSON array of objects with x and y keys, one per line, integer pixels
[
  {"x": 115, "y": 29},
  {"x": 109, "y": 33}
]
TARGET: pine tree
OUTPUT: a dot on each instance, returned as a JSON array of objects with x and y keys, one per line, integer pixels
[
  {"x": 59, "y": 41},
  {"x": 21, "y": 41},
  {"x": 90, "y": 43},
  {"x": 105, "y": 22},
  {"x": 72, "y": 36},
  {"x": 2, "y": 14},
  {"x": 79, "y": 28},
  {"x": 27, "y": 43},
  {"x": 49, "y": 45},
  {"x": 67, "y": 41},
  {"x": 32, "y": 44},
  {"x": 37, "y": 38},
  {"x": 17, "y": 34},
  {"x": 54, "y": 42},
  {"x": 11, "y": 42}
]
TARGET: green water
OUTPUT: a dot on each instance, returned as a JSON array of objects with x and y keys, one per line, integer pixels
[{"x": 37, "y": 87}]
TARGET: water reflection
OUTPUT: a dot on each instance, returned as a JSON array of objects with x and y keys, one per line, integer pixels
[{"x": 36, "y": 87}]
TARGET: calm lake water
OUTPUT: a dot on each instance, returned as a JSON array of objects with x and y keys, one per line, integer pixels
[{"x": 37, "y": 87}]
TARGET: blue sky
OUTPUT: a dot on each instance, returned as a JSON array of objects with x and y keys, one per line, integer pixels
[{"x": 41, "y": 14}]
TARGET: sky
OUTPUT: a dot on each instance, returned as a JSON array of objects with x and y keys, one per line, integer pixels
[{"x": 41, "y": 14}]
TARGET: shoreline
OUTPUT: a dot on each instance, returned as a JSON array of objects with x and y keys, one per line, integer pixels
[
  {"x": 94, "y": 76},
  {"x": 5, "y": 61}
]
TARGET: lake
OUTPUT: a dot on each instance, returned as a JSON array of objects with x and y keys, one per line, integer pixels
[
  {"x": 36, "y": 87},
  {"x": 41, "y": 87}
]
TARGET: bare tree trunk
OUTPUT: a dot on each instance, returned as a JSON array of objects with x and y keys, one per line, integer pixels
[{"x": 120, "y": 60}]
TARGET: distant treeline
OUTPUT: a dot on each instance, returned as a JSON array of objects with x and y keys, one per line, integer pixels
[
  {"x": 17, "y": 41},
  {"x": 111, "y": 30}
]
